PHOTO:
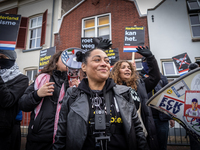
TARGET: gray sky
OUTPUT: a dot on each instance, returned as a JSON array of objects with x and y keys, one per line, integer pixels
[{"x": 146, "y": 4}]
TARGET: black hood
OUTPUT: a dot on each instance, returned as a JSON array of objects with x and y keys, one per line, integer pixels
[{"x": 85, "y": 87}]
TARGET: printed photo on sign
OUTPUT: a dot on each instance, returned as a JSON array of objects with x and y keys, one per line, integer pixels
[
  {"x": 180, "y": 88},
  {"x": 182, "y": 62},
  {"x": 195, "y": 84},
  {"x": 171, "y": 104},
  {"x": 192, "y": 104}
]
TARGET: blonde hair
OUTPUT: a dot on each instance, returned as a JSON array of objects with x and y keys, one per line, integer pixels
[{"x": 132, "y": 82}]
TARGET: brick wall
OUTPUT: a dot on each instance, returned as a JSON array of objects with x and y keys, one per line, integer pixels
[{"x": 123, "y": 13}]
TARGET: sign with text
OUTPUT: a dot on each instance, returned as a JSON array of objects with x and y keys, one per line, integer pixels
[
  {"x": 182, "y": 63},
  {"x": 134, "y": 37},
  {"x": 45, "y": 56},
  {"x": 9, "y": 27},
  {"x": 113, "y": 55},
  {"x": 89, "y": 43},
  {"x": 180, "y": 99}
]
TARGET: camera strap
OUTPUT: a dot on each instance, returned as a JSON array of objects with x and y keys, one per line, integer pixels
[{"x": 108, "y": 97}]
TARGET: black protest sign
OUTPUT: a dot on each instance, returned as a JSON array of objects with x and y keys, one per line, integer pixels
[
  {"x": 113, "y": 55},
  {"x": 45, "y": 56},
  {"x": 9, "y": 26},
  {"x": 182, "y": 62},
  {"x": 134, "y": 36},
  {"x": 89, "y": 43}
]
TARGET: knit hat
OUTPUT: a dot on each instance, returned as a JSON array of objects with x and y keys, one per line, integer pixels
[
  {"x": 9, "y": 53},
  {"x": 193, "y": 66}
]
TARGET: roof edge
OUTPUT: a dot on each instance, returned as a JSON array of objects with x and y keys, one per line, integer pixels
[{"x": 67, "y": 14}]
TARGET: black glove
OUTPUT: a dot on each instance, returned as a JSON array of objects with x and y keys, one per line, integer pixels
[
  {"x": 104, "y": 44},
  {"x": 144, "y": 51}
]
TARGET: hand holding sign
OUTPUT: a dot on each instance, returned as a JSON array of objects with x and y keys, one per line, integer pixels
[
  {"x": 104, "y": 44},
  {"x": 144, "y": 51}
]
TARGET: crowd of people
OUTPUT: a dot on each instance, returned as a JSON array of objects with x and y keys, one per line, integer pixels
[{"x": 106, "y": 110}]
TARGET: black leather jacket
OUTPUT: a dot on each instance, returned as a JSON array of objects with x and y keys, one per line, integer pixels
[{"x": 73, "y": 122}]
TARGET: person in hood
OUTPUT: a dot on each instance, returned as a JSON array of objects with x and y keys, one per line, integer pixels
[
  {"x": 43, "y": 99},
  {"x": 124, "y": 73},
  {"x": 12, "y": 86},
  {"x": 100, "y": 116}
]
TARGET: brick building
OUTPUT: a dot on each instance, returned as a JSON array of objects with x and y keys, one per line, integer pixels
[{"x": 99, "y": 18}]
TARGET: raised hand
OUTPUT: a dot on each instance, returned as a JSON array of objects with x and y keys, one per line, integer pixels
[
  {"x": 104, "y": 44},
  {"x": 144, "y": 51}
]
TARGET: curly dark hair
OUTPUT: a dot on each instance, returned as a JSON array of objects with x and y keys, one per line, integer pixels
[
  {"x": 52, "y": 64},
  {"x": 132, "y": 82}
]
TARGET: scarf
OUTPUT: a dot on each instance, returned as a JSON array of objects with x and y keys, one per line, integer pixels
[
  {"x": 9, "y": 74},
  {"x": 39, "y": 82}
]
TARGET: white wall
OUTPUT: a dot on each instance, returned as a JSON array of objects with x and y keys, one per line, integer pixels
[{"x": 170, "y": 34}]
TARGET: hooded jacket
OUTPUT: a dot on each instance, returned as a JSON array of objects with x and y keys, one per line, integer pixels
[{"x": 73, "y": 120}]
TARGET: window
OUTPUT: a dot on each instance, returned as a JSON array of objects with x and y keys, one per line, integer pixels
[
  {"x": 138, "y": 64},
  {"x": 31, "y": 75},
  {"x": 37, "y": 32},
  {"x": 193, "y": 5},
  {"x": 35, "y": 28},
  {"x": 169, "y": 68},
  {"x": 195, "y": 25},
  {"x": 194, "y": 17},
  {"x": 97, "y": 26}
]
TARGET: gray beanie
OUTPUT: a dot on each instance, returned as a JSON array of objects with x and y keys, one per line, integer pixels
[
  {"x": 9, "y": 53},
  {"x": 193, "y": 66}
]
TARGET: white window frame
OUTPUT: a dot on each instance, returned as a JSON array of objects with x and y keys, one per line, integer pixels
[
  {"x": 194, "y": 37},
  {"x": 174, "y": 66},
  {"x": 32, "y": 73},
  {"x": 32, "y": 28},
  {"x": 96, "y": 24},
  {"x": 188, "y": 2},
  {"x": 138, "y": 60}
]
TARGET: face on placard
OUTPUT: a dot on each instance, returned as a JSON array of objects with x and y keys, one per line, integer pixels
[
  {"x": 97, "y": 67},
  {"x": 60, "y": 65},
  {"x": 125, "y": 71}
]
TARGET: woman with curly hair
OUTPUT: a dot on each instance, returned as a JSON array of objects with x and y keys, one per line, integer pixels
[{"x": 123, "y": 73}]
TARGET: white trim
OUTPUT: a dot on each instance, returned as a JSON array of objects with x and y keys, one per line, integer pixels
[
  {"x": 59, "y": 25},
  {"x": 96, "y": 24},
  {"x": 138, "y": 9}
]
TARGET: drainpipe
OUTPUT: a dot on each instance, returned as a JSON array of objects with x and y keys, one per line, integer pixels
[{"x": 52, "y": 23}]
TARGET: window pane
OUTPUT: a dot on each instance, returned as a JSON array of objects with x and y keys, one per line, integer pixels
[
  {"x": 89, "y": 33},
  {"x": 103, "y": 20},
  {"x": 89, "y": 23},
  {"x": 33, "y": 22},
  {"x": 29, "y": 73},
  {"x": 39, "y": 32},
  {"x": 169, "y": 68},
  {"x": 38, "y": 42},
  {"x": 194, "y": 5},
  {"x": 196, "y": 30},
  {"x": 39, "y": 23},
  {"x": 103, "y": 31},
  {"x": 138, "y": 64},
  {"x": 34, "y": 74},
  {"x": 32, "y": 44},
  {"x": 194, "y": 19},
  {"x": 33, "y": 33}
]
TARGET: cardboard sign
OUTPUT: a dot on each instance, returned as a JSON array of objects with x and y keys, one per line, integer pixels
[
  {"x": 180, "y": 99},
  {"x": 182, "y": 62},
  {"x": 45, "y": 56},
  {"x": 134, "y": 37},
  {"x": 9, "y": 27},
  {"x": 113, "y": 55},
  {"x": 89, "y": 43}
]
